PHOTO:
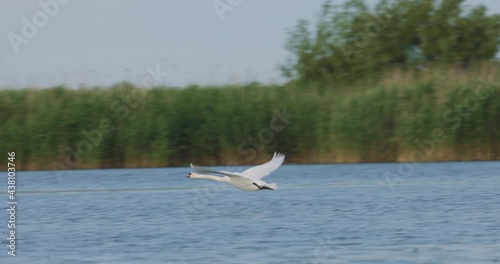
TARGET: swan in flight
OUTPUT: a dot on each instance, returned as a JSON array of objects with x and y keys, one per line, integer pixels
[{"x": 248, "y": 180}]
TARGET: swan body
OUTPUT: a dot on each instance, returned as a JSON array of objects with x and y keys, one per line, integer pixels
[{"x": 248, "y": 180}]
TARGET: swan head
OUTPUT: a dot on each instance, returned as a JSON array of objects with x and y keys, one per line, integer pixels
[{"x": 189, "y": 175}]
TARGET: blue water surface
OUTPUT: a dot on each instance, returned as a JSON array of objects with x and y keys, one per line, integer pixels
[{"x": 347, "y": 213}]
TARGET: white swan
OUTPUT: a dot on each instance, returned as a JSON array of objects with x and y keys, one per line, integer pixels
[{"x": 248, "y": 180}]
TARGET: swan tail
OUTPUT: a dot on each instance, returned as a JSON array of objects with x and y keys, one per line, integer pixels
[{"x": 273, "y": 186}]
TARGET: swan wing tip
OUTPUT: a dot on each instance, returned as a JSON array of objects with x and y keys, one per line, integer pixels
[{"x": 278, "y": 154}]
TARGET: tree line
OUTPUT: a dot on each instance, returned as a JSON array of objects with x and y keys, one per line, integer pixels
[{"x": 355, "y": 41}]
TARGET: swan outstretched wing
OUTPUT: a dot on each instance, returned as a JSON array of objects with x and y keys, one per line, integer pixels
[{"x": 258, "y": 172}]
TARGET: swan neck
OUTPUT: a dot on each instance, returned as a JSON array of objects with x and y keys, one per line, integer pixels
[{"x": 206, "y": 176}]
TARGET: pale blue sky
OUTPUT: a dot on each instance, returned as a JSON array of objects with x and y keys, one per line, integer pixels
[{"x": 101, "y": 42}]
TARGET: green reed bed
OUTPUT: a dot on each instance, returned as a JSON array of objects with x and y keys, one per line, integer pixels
[{"x": 125, "y": 126}]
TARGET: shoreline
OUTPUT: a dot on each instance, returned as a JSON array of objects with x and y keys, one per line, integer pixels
[{"x": 94, "y": 166}]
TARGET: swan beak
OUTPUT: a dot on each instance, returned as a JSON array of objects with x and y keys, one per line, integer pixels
[{"x": 189, "y": 175}]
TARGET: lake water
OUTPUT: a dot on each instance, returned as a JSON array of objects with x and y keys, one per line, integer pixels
[{"x": 432, "y": 213}]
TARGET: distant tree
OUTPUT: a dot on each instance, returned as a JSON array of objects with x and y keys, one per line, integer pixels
[{"x": 354, "y": 41}]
